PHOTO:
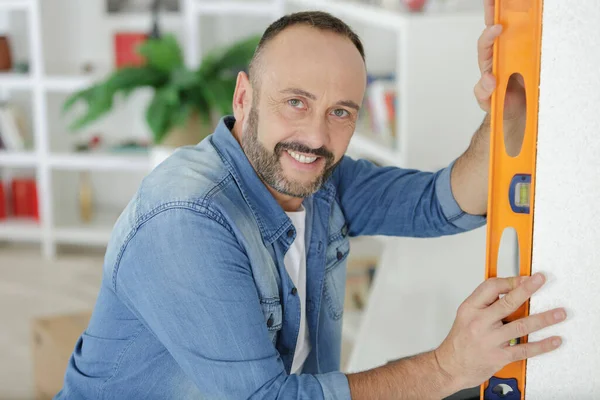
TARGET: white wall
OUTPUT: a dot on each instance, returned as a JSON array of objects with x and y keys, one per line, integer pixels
[{"x": 567, "y": 217}]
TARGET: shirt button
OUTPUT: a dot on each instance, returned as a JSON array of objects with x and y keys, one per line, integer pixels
[
  {"x": 270, "y": 321},
  {"x": 339, "y": 255},
  {"x": 290, "y": 233},
  {"x": 345, "y": 230},
  {"x": 294, "y": 291}
]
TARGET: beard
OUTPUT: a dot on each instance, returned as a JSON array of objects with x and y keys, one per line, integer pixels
[{"x": 268, "y": 164}]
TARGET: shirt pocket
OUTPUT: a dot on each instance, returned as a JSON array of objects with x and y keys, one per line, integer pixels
[
  {"x": 273, "y": 315},
  {"x": 334, "y": 287},
  {"x": 98, "y": 357}
]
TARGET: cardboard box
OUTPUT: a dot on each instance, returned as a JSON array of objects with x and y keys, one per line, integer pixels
[{"x": 54, "y": 339}]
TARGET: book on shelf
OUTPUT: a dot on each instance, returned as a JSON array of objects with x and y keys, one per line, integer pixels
[
  {"x": 3, "y": 208},
  {"x": 19, "y": 199},
  {"x": 381, "y": 102},
  {"x": 13, "y": 128},
  {"x": 25, "y": 201}
]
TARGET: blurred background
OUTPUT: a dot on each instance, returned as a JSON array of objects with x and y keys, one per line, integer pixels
[{"x": 95, "y": 93}]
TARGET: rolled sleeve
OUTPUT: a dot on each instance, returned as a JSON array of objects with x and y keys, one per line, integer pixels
[
  {"x": 452, "y": 211},
  {"x": 335, "y": 386}
]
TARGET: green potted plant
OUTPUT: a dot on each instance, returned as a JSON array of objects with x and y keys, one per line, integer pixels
[{"x": 186, "y": 102}]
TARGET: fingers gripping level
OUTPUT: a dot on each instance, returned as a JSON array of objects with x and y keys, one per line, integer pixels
[{"x": 512, "y": 179}]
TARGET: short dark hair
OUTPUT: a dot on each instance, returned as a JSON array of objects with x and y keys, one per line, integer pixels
[{"x": 316, "y": 19}]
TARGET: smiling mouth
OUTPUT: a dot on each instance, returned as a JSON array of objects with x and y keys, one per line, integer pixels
[{"x": 301, "y": 158}]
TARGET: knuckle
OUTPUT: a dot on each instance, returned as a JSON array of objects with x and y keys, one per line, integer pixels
[
  {"x": 537, "y": 323},
  {"x": 508, "y": 303},
  {"x": 520, "y": 353},
  {"x": 479, "y": 94},
  {"x": 513, "y": 282},
  {"x": 491, "y": 283},
  {"x": 521, "y": 328}
]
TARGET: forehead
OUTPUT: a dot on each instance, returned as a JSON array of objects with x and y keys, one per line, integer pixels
[{"x": 314, "y": 60}]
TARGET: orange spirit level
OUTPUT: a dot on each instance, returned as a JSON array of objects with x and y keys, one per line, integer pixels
[{"x": 512, "y": 179}]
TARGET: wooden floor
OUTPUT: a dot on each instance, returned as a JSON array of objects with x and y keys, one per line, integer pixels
[{"x": 31, "y": 287}]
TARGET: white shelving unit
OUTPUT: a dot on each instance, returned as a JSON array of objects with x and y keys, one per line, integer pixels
[
  {"x": 15, "y": 81},
  {"x": 99, "y": 162},
  {"x": 15, "y": 5},
  {"x": 21, "y": 159},
  {"x": 41, "y": 158},
  {"x": 194, "y": 9}
]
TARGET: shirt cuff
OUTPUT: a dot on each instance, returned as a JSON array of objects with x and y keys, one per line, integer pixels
[
  {"x": 452, "y": 211},
  {"x": 335, "y": 386}
]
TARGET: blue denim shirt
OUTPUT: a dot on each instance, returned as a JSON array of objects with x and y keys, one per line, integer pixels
[{"x": 195, "y": 301}]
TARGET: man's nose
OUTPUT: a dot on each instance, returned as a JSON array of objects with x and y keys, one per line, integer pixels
[{"x": 317, "y": 134}]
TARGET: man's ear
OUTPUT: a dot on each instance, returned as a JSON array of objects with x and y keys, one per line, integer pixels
[{"x": 242, "y": 98}]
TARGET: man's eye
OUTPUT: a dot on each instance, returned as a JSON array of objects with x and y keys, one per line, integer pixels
[
  {"x": 340, "y": 112},
  {"x": 295, "y": 103}
]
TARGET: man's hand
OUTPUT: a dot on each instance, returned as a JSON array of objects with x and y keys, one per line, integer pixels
[
  {"x": 478, "y": 344},
  {"x": 515, "y": 104}
]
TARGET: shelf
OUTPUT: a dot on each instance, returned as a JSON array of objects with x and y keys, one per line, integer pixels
[
  {"x": 366, "y": 147},
  {"x": 143, "y": 22},
  {"x": 67, "y": 84},
  {"x": 390, "y": 18},
  {"x": 101, "y": 162},
  {"x": 20, "y": 229},
  {"x": 11, "y": 5},
  {"x": 71, "y": 230},
  {"x": 84, "y": 235},
  {"x": 246, "y": 8},
  {"x": 367, "y": 13},
  {"x": 15, "y": 80},
  {"x": 17, "y": 159}
]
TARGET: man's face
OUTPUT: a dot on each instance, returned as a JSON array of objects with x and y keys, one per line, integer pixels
[{"x": 304, "y": 112}]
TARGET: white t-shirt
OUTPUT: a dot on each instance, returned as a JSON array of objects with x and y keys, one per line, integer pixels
[{"x": 295, "y": 264}]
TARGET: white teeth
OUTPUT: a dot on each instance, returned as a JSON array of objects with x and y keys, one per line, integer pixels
[{"x": 301, "y": 158}]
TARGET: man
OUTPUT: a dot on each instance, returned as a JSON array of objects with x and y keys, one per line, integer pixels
[{"x": 225, "y": 275}]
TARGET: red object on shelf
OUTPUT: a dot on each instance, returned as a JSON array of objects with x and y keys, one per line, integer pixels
[
  {"x": 24, "y": 198},
  {"x": 415, "y": 5},
  {"x": 126, "y": 44},
  {"x": 2, "y": 201}
]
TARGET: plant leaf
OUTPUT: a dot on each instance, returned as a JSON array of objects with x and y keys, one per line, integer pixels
[
  {"x": 99, "y": 97},
  {"x": 219, "y": 91},
  {"x": 99, "y": 103},
  {"x": 158, "y": 114},
  {"x": 183, "y": 78},
  {"x": 82, "y": 95},
  {"x": 229, "y": 60},
  {"x": 163, "y": 54},
  {"x": 181, "y": 115}
]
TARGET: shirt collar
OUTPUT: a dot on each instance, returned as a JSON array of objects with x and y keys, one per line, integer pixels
[{"x": 271, "y": 218}]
